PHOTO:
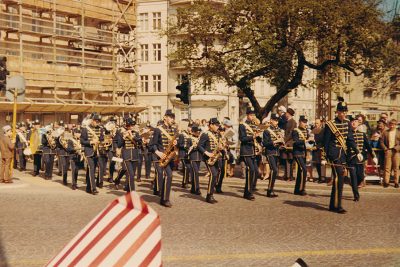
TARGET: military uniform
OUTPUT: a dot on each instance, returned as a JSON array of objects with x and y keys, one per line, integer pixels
[
  {"x": 247, "y": 153},
  {"x": 337, "y": 138},
  {"x": 130, "y": 155},
  {"x": 223, "y": 165},
  {"x": 209, "y": 142},
  {"x": 75, "y": 160},
  {"x": 299, "y": 136},
  {"x": 183, "y": 147},
  {"x": 159, "y": 142},
  {"x": 272, "y": 145},
  {"x": 20, "y": 146},
  {"x": 49, "y": 152},
  {"x": 91, "y": 156},
  {"x": 63, "y": 158},
  {"x": 103, "y": 155},
  {"x": 356, "y": 166},
  {"x": 195, "y": 158}
]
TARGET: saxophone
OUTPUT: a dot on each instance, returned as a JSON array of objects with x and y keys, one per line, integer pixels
[
  {"x": 257, "y": 146},
  {"x": 77, "y": 148},
  {"x": 216, "y": 154},
  {"x": 194, "y": 145},
  {"x": 169, "y": 153},
  {"x": 95, "y": 138}
]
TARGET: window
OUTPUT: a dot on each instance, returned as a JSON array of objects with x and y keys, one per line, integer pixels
[
  {"x": 156, "y": 83},
  {"x": 144, "y": 116},
  {"x": 157, "y": 52},
  {"x": 144, "y": 83},
  {"x": 156, "y": 114},
  {"x": 157, "y": 21},
  {"x": 143, "y": 21},
  {"x": 13, "y": 19},
  {"x": 347, "y": 77},
  {"x": 367, "y": 93},
  {"x": 144, "y": 53},
  {"x": 207, "y": 84},
  {"x": 35, "y": 22}
]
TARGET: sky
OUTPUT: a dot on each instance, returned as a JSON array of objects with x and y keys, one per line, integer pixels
[{"x": 389, "y": 6}]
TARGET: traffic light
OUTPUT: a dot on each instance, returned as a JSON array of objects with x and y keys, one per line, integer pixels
[
  {"x": 3, "y": 73},
  {"x": 184, "y": 88}
]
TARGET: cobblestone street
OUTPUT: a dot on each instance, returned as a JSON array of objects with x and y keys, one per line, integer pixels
[{"x": 39, "y": 217}]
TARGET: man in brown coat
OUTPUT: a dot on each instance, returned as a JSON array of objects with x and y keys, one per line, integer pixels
[
  {"x": 7, "y": 153},
  {"x": 390, "y": 143}
]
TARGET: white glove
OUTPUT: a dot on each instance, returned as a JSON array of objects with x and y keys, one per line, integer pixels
[
  {"x": 375, "y": 160},
  {"x": 323, "y": 162},
  {"x": 360, "y": 157}
]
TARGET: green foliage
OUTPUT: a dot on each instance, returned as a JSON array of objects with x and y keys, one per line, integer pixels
[{"x": 277, "y": 39}]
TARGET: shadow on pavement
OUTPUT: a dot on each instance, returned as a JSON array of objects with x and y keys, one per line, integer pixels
[
  {"x": 3, "y": 258},
  {"x": 305, "y": 204}
]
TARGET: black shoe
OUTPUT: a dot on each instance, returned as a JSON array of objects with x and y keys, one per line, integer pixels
[
  {"x": 249, "y": 197},
  {"x": 356, "y": 199},
  {"x": 95, "y": 192},
  {"x": 59, "y": 173},
  {"x": 73, "y": 187},
  {"x": 396, "y": 185},
  {"x": 100, "y": 185},
  {"x": 385, "y": 185},
  {"x": 340, "y": 210},
  {"x": 35, "y": 174},
  {"x": 166, "y": 203},
  {"x": 195, "y": 192},
  {"x": 156, "y": 193},
  {"x": 210, "y": 199},
  {"x": 271, "y": 194},
  {"x": 65, "y": 182},
  {"x": 184, "y": 186},
  {"x": 301, "y": 193}
]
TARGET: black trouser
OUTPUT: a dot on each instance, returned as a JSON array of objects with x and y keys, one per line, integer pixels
[
  {"x": 102, "y": 161},
  {"x": 147, "y": 163},
  {"x": 163, "y": 182},
  {"x": 337, "y": 185},
  {"x": 214, "y": 173},
  {"x": 111, "y": 166},
  {"x": 64, "y": 162},
  {"x": 140, "y": 166},
  {"x": 121, "y": 173},
  {"x": 130, "y": 167},
  {"x": 223, "y": 163},
  {"x": 195, "y": 166},
  {"x": 289, "y": 167},
  {"x": 59, "y": 164},
  {"x": 186, "y": 167},
  {"x": 301, "y": 175},
  {"x": 21, "y": 159},
  {"x": 257, "y": 161},
  {"x": 273, "y": 165},
  {"x": 15, "y": 162},
  {"x": 91, "y": 174},
  {"x": 74, "y": 170},
  {"x": 37, "y": 163},
  {"x": 356, "y": 176},
  {"x": 48, "y": 160},
  {"x": 251, "y": 174}
]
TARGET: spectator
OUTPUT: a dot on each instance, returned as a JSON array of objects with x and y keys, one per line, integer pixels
[
  {"x": 390, "y": 143},
  {"x": 282, "y": 117},
  {"x": 318, "y": 132},
  {"x": 384, "y": 117},
  {"x": 7, "y": 152}
]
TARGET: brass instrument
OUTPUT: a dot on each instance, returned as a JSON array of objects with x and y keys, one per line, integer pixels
[
  {"x": 216, "y": 154},
  {"x": 257, "y": 146},
  {"x": 27, "y": 151},
  {"x": 78, "y": 148},
  {"x": 169, "y": 154},
  {"x": 96, "y": 139},
  {"x": 128, "y": 134},
  {"x": 51, "y": 140},
  {"x": 194, "y": 144},
  {"x": 35, "y": 139}
]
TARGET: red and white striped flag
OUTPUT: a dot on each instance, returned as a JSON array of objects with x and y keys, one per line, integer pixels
[{"x": 126, "y": 233}]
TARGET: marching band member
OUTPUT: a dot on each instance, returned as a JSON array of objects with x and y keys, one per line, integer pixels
[
  {"x": 49, "y": 151},
  {"x": 318, "y": 132},
  {"x": 300, "y": 136},
  {"x": 20, "y": 144},
  {"x": 63, "y": 156},
  {"x": 223, "y": 161},
  {"x": 104, "y": 148},
  {"x": 232, "y": 143},
  {"x": 287, "y": 155},
  {"x": 164, "y": 141},
  {"x": 356, "y": 166},
  {"x": 91, "y": 136},
  {"x": 129, "y": 141},
  {"x": 195, "y": 159},
  {"x": 272, "y": 141},
  {"x": 183, "y": 147},
  {"x": 209, "y": 146},
  {"x": 146, "y": 150},
  {"x": 247, "y": 137},
  {"x": 74, "y": 149},
  {"x": 37, "y": 156},
  {"x": 337, "y": 138},
  {"x": 112, "y": 151}
]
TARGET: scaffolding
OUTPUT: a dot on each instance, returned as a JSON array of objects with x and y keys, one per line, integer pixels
[{"x": 72, "y": 52}]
